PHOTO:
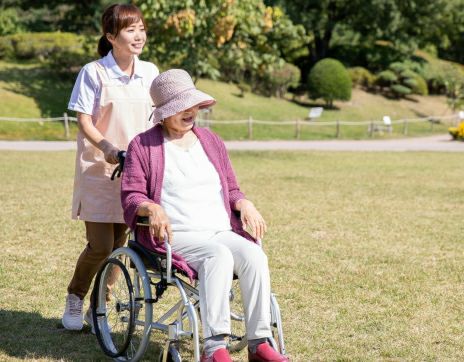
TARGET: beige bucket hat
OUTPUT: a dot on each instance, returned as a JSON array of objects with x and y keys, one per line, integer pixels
[{"x": 173, "y": 91}]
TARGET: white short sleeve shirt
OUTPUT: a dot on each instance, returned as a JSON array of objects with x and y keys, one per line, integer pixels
[{"x": 85, "y": 97}]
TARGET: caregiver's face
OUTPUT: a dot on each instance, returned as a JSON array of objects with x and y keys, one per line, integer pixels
[{"x": 130, "y": 40}]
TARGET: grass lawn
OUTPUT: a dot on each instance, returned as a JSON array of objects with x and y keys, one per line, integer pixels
[
  {"x": 29, "y": 91},
  {"x": 365, "y": 251}
]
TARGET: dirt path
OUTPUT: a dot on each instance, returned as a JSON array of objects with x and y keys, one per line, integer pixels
[{"x": 440, "y": 143}]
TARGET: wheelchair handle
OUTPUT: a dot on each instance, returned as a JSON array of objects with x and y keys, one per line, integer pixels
[{"x": 118, "y": 170}]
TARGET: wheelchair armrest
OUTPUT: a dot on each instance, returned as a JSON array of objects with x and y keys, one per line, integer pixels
[
  {"x": 143, "y": 221},
  {"x": 168, "y": 260}
]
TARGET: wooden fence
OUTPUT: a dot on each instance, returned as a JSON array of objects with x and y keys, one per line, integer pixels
[{"x": 371, "y": 126}]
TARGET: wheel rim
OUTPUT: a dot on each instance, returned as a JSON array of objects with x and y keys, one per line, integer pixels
[
  {"x": 114, "y": 308},
  {"x": 143, "y": 311}
]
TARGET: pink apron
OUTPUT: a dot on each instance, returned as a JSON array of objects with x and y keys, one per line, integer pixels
[{"x": 123, "y": 113}]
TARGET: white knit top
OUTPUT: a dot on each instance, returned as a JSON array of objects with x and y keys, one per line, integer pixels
[{"x": 192, "y": 193}]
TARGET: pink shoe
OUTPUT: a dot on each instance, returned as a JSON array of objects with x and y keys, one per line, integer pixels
[
  {"x": 220, "y": 355},
  {"x": 265, "y": 353}
]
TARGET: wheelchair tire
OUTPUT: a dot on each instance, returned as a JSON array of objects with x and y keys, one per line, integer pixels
[
  {"x": 173, "y": 355},
  {"x": 237, "y": 339},
  {"x": 140, "y": 307},
  {"x": 277, "y": 340},
  {"x": 113, "y": 320}
]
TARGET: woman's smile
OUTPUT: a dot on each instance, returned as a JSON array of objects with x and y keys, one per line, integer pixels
[{"x": 188, "y": 119}]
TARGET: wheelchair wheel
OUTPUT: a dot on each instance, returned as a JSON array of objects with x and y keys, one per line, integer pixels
[
  {"x": 173, "y": 355},
  {"x": 237, "y": 339},
  {"x": 123, "y": 312},
  {"x": 277, "y": 339},
  {"x": 114, "y": 310}
]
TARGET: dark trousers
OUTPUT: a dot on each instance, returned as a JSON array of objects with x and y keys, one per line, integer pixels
[{"x": 102, "y": 239}]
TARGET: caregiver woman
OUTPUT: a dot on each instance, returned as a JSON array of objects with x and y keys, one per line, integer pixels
[{"x": 112, "y": 100}]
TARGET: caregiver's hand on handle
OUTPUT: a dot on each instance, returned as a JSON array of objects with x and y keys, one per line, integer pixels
[
  {"x": 111, "y": 152},
  {"x": 251, "y": 217},
  {"x": 159, "y": 224}
]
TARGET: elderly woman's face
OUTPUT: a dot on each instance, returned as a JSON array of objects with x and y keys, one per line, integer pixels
[{"x": 181, "y": 122}]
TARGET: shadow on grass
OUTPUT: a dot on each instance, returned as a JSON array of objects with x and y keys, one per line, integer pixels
[
  {"x": 419, "y": 113},
  {"x": 238, "y": 95},
  {"x": 50, "y": 92},
  {"x": 307, "y": 104},
  {"x": 29, "y": 335}
]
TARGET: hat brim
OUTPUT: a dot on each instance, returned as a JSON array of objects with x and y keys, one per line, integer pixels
[{"x": 181, "y": 102}]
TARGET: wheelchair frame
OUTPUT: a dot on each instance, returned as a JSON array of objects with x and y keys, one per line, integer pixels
[{"x": 139, "y": 276}]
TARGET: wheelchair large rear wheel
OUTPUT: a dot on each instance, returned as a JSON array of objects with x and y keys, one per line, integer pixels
[
  {"x": 173, "y": 355},
  {"x": 277, "y": 339},
  {"x": 113, "y": 308},
  {"x": 123, "y": 299}
]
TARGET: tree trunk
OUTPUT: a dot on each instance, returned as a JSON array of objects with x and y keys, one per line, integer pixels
[{"x": 320, "y": 48}]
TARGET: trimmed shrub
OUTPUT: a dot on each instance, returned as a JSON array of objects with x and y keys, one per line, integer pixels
[
  {"x": 64, "y": 53},
  {"x": 361, "y": 77},
  {"x": 407, "y": 73},
  {"x": 9, "y": 21},
  {"x": 457, "y": 132},
  {"x": 410, "y": 83},
  {"x": 386, "y": 78},
  {"x": 421, "y": 86},
  {"x": 329, "y": 80},
  {"x": 398, "y": 67},
  {"x": 400, "y": 90},
  {"x": 279, "y": 80},
  {"x": 243, "y": 87},
  {"x": 40, "y": 45},
  {"x": 400, "y": 80},
  {"x": 6, "y": 48}
]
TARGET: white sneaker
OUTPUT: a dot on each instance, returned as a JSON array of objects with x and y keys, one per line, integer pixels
[
  {"x": 72, "y": 316},
  {"x": 89, "y": 319}
]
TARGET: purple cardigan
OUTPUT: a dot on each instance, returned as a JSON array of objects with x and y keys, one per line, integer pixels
[{"x": 142, "y": 180}]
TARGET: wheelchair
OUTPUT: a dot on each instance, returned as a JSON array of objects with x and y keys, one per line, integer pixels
[
  {"x": 130, "y": 285},
  {"x": 129, "y": 303}
]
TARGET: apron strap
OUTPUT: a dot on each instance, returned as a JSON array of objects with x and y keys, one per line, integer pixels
[{"x": 101, "y": 72}]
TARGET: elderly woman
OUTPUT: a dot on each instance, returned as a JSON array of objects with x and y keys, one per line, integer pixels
[{"x": 180, "y": 176}]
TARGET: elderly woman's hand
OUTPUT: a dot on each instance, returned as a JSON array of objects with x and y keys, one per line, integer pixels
[
  {"x": 252, "y": 218},
  {"x": 159, "y": 224}
]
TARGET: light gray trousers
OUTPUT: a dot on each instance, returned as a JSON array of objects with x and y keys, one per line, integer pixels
[{"x": 216, "y": 256}]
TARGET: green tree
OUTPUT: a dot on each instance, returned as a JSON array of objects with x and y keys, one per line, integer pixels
[
  {"x": 329, "y": 80},
  {"x": 237, "y": 40},
  {"x": 81, "y": 17},
  {"x": 9, "y": 21},
  {"x": 403, "y": 23},
  {"x": 449, "y": 42}
]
